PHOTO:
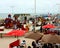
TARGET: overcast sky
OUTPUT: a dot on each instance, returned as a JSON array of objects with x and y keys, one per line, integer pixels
[{"x": 27, "y": 6}]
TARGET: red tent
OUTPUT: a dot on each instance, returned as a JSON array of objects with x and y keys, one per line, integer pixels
[{"x": 48, "y": 26}]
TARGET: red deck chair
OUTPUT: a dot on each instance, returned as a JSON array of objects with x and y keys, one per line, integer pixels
[{"x": 15, "y": 43}]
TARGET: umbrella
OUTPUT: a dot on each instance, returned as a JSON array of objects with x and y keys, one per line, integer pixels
[
  {"x": 16, "y": 33},
  {"x": 33, "y": 35},
  {"x": 51, "y": 38},
  {"x": 48, "y": 26},
  {"x": 15, "y": 43}
]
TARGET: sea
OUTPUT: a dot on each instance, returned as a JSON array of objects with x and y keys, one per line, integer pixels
[{"x": 5, "y": 15}]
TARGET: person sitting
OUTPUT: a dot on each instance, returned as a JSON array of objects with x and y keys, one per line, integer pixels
[
  {"x": 23, "y": 44},
  {"x": 50, "y": 45},
  {"x": 29, "y": 46},
  {"x": 45, "y": 46},
  {"x": 34, "y": 44},
  {"x": 37, "y": 44}
]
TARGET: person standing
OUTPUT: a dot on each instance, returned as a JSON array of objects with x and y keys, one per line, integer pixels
[
  {"x": 16, "y": 22},
  {"x": 9, "y": 22}
]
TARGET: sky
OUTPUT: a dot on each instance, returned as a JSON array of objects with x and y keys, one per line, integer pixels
[{"x": 28, "y": 6}]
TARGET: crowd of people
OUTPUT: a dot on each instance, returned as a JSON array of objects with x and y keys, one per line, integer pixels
[
  {"x": 16, "y": 24},
  {"x": 10, "y": 23},
  {"x": 43, "y": 45},
  {"x": 37, "y": 44},
  {"x": 38, "y": 21}
]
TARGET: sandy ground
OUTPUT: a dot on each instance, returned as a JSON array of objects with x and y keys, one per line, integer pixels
[{"x": 5, "y": 41}]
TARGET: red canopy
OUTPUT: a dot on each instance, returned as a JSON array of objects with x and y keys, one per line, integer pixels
[
  {"x": 48, "y": 26},
  {"x": 16, "y": 33}
]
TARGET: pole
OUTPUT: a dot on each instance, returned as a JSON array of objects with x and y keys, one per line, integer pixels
[
  {"x": 35, "y": 15},
  {"x": 35, "y": 7}
]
